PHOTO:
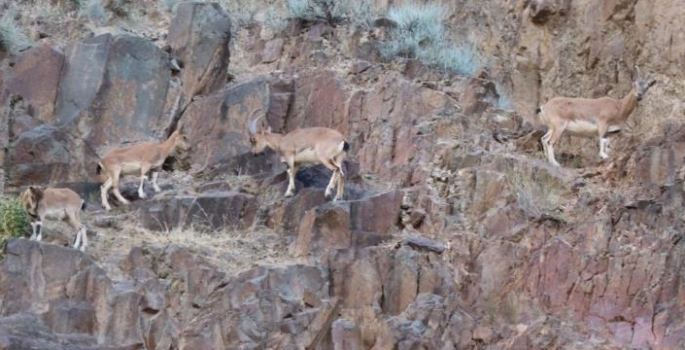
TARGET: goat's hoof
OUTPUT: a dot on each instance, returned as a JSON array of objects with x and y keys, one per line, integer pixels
[{"x": 288, "y": 194}]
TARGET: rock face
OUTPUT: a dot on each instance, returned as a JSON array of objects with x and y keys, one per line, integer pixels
[
  {"x": 452, "y": 235},
  {"x": 75, "y": 303},
  {"x": 199, "y": 36}
]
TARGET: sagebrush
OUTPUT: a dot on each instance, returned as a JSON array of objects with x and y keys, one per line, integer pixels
[
  {"x": 419, "y": 33},
  {"x": 11, "y": 35}
]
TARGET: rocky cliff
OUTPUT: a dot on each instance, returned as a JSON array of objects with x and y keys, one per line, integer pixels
[{"x": 455, "y": 232}]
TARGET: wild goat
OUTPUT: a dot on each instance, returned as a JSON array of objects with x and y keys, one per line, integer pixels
[
  {"x": 587, "y": 117},
  {"x": 138, "y": 159},
  {"x": 305, "y": 146},
  {"x": 55, "y": 204}
]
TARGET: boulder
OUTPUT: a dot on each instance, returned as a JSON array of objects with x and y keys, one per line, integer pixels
[
  {"x": 112, "y": 89},
  {"x": 217, "y": 124},
  {"x": 35, "y": 78},
  {"x": 199, "y": 35},
  {"x": 213, "y": 210}
]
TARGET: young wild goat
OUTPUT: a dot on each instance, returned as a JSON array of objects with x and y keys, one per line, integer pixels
[
  {"x": 138, "y": 159},
  {"x": 305, "y": 146},
  {"x": 55, "y": 204},
  {"x": 588, "y": 117}
]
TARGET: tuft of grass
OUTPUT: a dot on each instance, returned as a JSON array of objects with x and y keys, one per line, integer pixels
[
  {"x": 78, "y": 4},
  {"x": 420, "y": 34},
  {"x": 358, "y": 12},
  {"x": 462, "y": 59},
  {"x": 11, "y": 36},
  {"x": 14, "y": 221}
]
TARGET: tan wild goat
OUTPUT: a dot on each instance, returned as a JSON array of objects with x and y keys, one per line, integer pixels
[
  {"x": 588, "y": 117},
  {"x": 305, "y": 146},
  {"x": 55, "y": 204},
  {"x": 138, "y": 159}
]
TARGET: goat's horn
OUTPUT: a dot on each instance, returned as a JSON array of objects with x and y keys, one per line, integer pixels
[
  {"x": 637, "y": 69},
  {"x": 252, "y": 124}
]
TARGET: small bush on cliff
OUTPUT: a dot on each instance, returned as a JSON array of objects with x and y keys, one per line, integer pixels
[
  {"x": 357, "y": 12},
  {"x": 14, "y": 221},
  {"x": 11, "y": 36},
  {"x": 419, "y": 33}
]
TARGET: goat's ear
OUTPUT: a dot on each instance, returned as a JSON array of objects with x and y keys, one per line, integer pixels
[
  {"x": 268, "y": 130},
  {"x": 651, "y": 83}
]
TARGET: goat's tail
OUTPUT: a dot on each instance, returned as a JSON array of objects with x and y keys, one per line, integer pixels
[
  {"x": 344, "y": 146},
  {"x": 83, "y": 206},
  {"x": 538, "y": 110},
  {"x": 98, "y": 170}
]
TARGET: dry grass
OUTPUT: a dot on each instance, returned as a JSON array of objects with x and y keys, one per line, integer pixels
[{"x": 231, "y": 251}]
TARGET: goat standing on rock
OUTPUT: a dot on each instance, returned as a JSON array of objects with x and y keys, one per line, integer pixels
[
  {"x": 138, "y": 159},
  {"x": 588, "y": 117},
  {"x": 55, "y": 204},
  {"x": 305, "y": 146}
]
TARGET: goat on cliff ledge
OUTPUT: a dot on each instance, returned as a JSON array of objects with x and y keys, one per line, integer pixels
[
  {"x": 55, "y": 204},
  {"x": 304, "y": 146},
  {"x": 588, "y": 117},
  {"x": 138, "y": 159}
]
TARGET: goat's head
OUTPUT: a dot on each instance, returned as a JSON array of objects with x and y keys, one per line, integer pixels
[
  {"x": 258, "y": 135},
  {"x": 180, "y": 142},
  {"x": 642, "y": 84},
  {"x": 30, "y": 197}
]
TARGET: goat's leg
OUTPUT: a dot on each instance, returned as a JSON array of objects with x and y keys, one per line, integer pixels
[
  {"x": 103, "y": 193},
  {"x": 37, "y": 227},
  {"x": 340, "y": 178},
  {"x": 84, "y": 237},
  {"x": 331, "y": 184},
  {"x": 292, "y": 171},
  {"x": 545, "y": 141},
  {"x": 143, "y": 177},
  {"x": 80, "y": 240},
  {"x": 341, "y": 186},
  {"x": 556, "y": 134},
  {"x": 115, "y": 184},
  {"x": 603, "y": 141},
  {"x": 154, "y": 181},
  {"x": 330, "y": 164}
]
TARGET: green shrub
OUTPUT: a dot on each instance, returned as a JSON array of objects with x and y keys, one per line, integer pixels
[
  {"x": 14, "y": 221},
  {"x": 420, "y": 34}
]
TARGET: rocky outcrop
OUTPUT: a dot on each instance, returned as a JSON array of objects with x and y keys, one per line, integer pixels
[
  {"x": 450, "y": 235},
  {"x": 199, "y": 35}
]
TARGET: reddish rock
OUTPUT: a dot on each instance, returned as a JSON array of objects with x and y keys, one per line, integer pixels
[
  {"x": 380, "y": 213},
  {"x": 219, "y": 121},
  {"x": 346, "y": 335},
  {"x": 272, "y": 50},
  {"x": 35, "y": 78},
  {"x": 322, "y": 228},
  {"x": 199, "y": 35},
  {"x": 214, "y": 210}
]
